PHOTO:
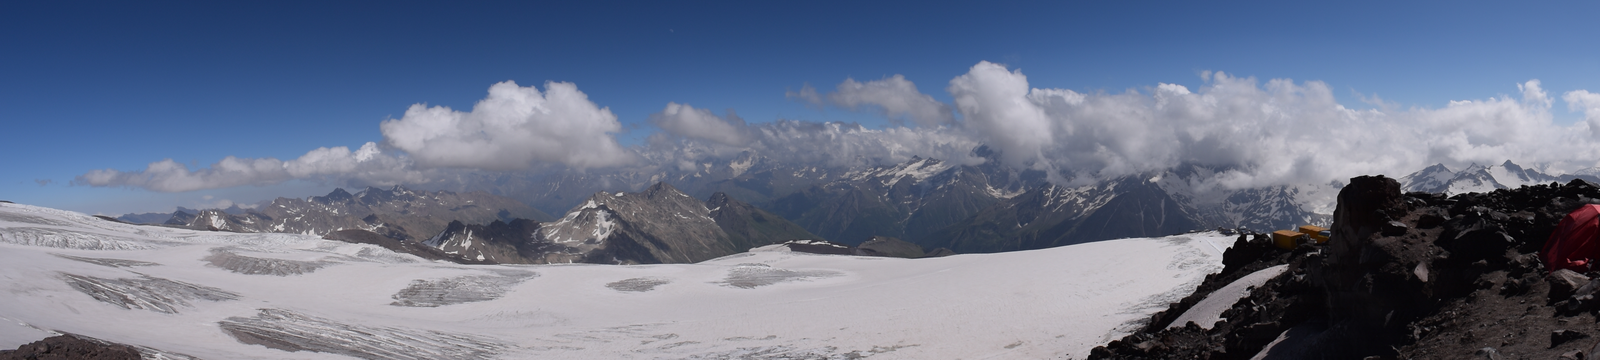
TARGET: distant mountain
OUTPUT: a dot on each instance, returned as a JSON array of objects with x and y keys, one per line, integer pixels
[
  {"x": 657, "y": 225},
  {"x": 880, "y": 246},
  {"x": 748, "y": 226},
  {"x": 1053, "y": 215},
  {"x": 983, "y": 207},
  {"x": 398, "y": 213},
  {"x": 911, "y": 200},
  {"x": 1478, "y": 178},
  {"x": 989, "y": 207}
]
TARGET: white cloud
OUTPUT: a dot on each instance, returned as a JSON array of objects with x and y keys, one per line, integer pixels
[
  {"x": 368, "y": 165},
  {"x": 1280, "y": 132},
  {"x": 1264, "y": 133},
  {"x": 1589, "y": 103},
  {"x": 894, "y": 97},
  {"x": 994, "y": 104},
  {"x": 687, "y": 121},
  {"x": 511, "y": 129}
]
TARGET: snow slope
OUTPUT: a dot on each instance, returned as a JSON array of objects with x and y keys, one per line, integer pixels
[
  {"x": 1209, "y": 310},
  {"x": 179, "y": 293}
]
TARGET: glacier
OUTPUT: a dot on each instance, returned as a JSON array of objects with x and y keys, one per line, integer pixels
[{"x": 221, "y": 295}]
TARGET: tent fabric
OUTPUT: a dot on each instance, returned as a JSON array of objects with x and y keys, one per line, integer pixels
[{"x": 1573, "y": 245}]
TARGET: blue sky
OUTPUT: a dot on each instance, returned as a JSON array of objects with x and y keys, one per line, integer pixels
[{"x": 90, "y": 86}]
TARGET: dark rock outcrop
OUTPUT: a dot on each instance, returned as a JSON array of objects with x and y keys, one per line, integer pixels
[
  {"x": 70, "y": 347},
  {"x": 1413, "y": 275},
  {"x": 748, "y": 226}
]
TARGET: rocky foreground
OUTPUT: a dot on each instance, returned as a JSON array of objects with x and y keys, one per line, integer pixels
[
  {"x": 65, "y": 347},
  {"x": 1405, "y": 276}
]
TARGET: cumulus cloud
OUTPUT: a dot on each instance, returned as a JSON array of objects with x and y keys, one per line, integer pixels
[
  {"x": 511, "y": 129},
  {"x": 367, "y": 165},
  {"x": 687, "y": 121},
  {"x": 994, "y": 104},
  {"x": 1280, "y": 132},
  {"x": 1589, "y": 103}
]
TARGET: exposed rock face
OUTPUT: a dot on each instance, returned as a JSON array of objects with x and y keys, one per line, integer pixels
[
  {"x": 1353, "y": 274},
  {"x": 397, "y": 213},
  {"x": 748, "y": 226},
  {"x": 498, "y": 242},
  {"x": 1404, "y": 276},
  {"x": 657, "y": 225}
]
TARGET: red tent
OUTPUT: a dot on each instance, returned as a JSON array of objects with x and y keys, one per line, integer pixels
[{"x": 1574, "y": 245}]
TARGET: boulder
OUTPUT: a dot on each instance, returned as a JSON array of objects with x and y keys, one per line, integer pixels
[
  {"x": 1564, "y": 283},
  {"x": 1559, "y": 337}
]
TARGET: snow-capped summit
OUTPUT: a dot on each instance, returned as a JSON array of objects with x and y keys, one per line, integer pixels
[
  {"x": 1474, "y": 178},
  {"x": 1512, "y": 175},
  {"x": 1434, "y": 179}
]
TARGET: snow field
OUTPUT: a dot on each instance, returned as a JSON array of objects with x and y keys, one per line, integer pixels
[{"x": 1051, "y": 303}]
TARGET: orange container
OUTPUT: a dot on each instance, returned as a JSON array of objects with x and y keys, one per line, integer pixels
[{"x": 1287, "y": 239}]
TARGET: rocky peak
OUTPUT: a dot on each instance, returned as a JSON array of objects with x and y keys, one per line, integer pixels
[
  {"x": 338, "y": 196},
  {"x": 1432, "y": 179},
  {"x": 718, "y": 200}
]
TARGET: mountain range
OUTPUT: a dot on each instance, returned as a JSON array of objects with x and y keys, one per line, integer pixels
[
  {"x": 657, "y": 225},
  {"x": 1479, "y": 178},
  {"x": 753, "y": 200},
  {"x": 398, "y": 213}
]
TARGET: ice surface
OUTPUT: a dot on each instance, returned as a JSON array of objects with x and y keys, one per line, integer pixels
[
  {"x": 750, "y": 276},
  {"x": 147, "y": 293},
  {"x": 637, "y": 284},
  {"x": 68, "y": 239},
  {"x": 460, "y": 289},
  {"x": 31, "y": 219},
  {"x": 108, "y": 262},
  {"x": 1051, "y": 303},
  {"x": 291, "y": 331},
  {"x": 384, "y": 256},
  {"x": 247, "y": 265}
]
